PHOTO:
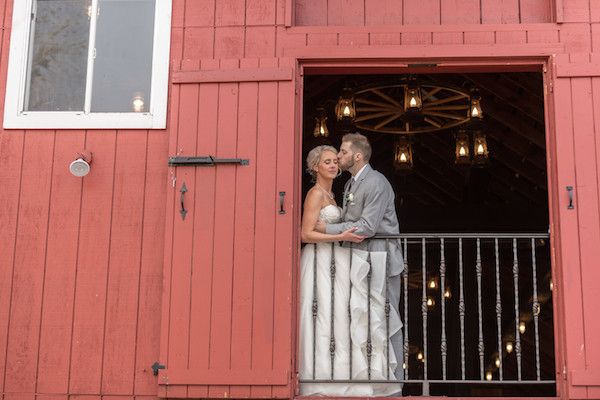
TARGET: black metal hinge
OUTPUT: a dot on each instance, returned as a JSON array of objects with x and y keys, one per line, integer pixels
[
  {"x": 207, "y": 161},
  {"x": 155, "y": 367}
]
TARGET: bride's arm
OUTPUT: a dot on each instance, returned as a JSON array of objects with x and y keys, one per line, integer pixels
[{"x": 312, "y": 208}]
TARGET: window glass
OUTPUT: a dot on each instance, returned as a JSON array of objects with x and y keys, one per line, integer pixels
[
  {"x": 123, "y": 63},
  {"x": 58, "y": 56}
]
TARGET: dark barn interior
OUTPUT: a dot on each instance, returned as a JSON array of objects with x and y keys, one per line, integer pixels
[{"x": 506, "y": 193}]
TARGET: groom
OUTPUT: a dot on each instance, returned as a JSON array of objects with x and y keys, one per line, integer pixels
[{"x": 369, "y": 207}]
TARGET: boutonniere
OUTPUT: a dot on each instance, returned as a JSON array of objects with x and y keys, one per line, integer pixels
[{"x": 350, "y": 198}]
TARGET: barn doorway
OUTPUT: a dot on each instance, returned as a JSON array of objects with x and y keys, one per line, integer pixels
[{"x": 477, "y": 297}]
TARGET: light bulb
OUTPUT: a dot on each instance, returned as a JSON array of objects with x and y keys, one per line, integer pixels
[
  {"x": 551, "y": 286},
  {"x": 432, "y": 284},
  {"x": 447, "y": 293},
  {"x": 346, "y": 111},
  {"x": 497, "y": 362},
  {"x": 462, "y": 151},
  {"x": 480, "y": 149},
  {"x": 420, "y": 356},
  {"x": 412, "y": 102},
  {"x": 522, "y": 327},
  {"x": 509, "y": 347},
  {"x": 430, "y": 302},
  {"x": 474, "y": 112},
  {"x": 488, "y": 375},
  {"x": 403, "y": 365},
  {"x": 403, "y": 157},
  {"x": 322, "y": 130}
]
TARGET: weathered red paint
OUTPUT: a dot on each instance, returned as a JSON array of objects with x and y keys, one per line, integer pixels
[{"x": 86, "y": 264}]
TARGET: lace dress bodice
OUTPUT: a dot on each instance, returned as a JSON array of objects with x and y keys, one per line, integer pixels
[{"x": 330, "y": 214}]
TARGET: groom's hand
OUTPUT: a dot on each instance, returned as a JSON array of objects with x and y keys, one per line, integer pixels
[{"x": 320, "y": 226}]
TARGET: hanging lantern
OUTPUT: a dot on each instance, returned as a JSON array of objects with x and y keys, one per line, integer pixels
[
  {"x": 345, "y": 108},
  {"x": 475, "y": 111},
  {"x": 480, "y": 148},
  {"x": 462, "y": 148},
  {"x": 403, "y": 155},
  {"x": 412, "y": 97},
  {"x": 321, "y": 123}
]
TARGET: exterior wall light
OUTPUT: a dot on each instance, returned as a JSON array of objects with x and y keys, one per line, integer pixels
[{"x": 80, "y": 167}]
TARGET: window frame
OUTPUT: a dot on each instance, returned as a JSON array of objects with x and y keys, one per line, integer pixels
[{"x": 16, "y": 118}]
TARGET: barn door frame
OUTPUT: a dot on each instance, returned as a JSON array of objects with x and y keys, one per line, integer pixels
[{"x": 449, "y": 59}]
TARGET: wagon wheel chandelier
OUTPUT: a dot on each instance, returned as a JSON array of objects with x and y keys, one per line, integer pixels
[{"x": 407, "y": 109}]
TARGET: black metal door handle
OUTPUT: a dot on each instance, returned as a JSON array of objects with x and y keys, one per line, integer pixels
[
  {"x": 281, "y": 202},
  {"x": 570, "y": 192},
  {"x": 183, "y": 211}
]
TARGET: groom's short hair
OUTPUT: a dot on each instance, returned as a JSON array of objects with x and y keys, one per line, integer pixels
[{"x": 359, "y": 144}]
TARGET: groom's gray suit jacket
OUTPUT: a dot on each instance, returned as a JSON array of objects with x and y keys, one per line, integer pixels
[{"x": 371, "y": 209}]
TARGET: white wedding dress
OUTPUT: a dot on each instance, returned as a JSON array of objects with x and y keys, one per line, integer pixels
[{"x": 350, "y": 286}]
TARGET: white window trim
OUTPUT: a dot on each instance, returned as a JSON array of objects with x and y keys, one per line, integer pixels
[{"x": 14, "y": 117}]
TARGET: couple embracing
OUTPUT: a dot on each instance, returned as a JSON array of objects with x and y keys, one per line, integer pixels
[{"x": 334, "y": 338}]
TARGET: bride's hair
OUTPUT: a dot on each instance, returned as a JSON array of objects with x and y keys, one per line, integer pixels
[{"x": 314, "y": 156}]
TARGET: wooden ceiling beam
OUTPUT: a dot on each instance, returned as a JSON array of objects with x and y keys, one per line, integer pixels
[
  {"x": 518, "y": 145},
  {"x": 512, "y": 161}
]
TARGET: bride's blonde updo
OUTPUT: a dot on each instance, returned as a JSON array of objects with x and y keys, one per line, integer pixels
[{"x": 314, "y": 156}]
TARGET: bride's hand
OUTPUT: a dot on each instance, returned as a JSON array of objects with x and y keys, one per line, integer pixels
[{"x": 350, "y": 236}]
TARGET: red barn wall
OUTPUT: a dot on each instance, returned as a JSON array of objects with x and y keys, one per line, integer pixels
[{"x": 81, "y": 260}]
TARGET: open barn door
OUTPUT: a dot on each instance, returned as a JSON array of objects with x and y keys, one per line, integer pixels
[
  {"x": 227, "y": 297},
  {"x": 575, "y": 93}
]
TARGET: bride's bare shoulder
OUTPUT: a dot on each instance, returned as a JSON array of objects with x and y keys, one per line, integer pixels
[{"x": 314, "y": 198}]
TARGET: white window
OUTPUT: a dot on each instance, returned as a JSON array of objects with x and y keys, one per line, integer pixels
[{"x": 88, "y": 64}]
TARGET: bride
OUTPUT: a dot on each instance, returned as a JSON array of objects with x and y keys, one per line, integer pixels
[{"x": 334, "y": 337}]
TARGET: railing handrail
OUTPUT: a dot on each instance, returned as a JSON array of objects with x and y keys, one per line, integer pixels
[{"x": 458, "y": 235}]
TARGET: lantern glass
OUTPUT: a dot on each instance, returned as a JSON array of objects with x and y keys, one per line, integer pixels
[
  {"x": 345, "y": 108},
  {"x": 321, "y": 129},
  {"x": 462, "y": 148},
  {"x": 480, "y": 148},
  {"x": 412, "y": 97},
  {"x": 403, "y": 155},
  {"x": 475, "y": 111}
]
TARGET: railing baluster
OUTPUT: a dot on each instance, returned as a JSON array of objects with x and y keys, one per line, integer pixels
[
  {"x": 315, "y": 308},
  {"x": 461, "y": 309},
  {"x": 536, "y": 309},
  {"x": 369, "y": 343},
  {"x": 387, "y": 314},
  {"x": 498, "y": 309},
  {"x": 350, "y": 313},
  {"x": 443, "y": 344},
  {"x": 405, "y": 276},
  {"x": 424, "y": 313},
  {"x": 516, "y": 285},
  {"x": 332, "y": 315},
  {"x": 480, "y": 345}
]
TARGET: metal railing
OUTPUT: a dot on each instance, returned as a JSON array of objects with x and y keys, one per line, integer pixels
[{"x": 476, "y": 336}]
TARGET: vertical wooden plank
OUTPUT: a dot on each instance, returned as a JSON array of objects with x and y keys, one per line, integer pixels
[
  {"x": 224, "y": 231},
  {"x": 568, "y": 227},
  {"x": 11, "y": 159},
  {"x": 260, "y": 42},
  {"x": 183, "y": 230},
  {"x": 595, "y": 38},
  {"x": 587, "y": 142},
  {"x": 535, "y": 11},
  {"x": 153, "y": 240},
  {"x": 265, "y": 214},
  {"x": 345, "y": 12},
  {"x": 29, "y": 263},
  {"x": 204, "y": 220},
  {"x": 260, "y": 12},
  {"x": 422, "y": 12},
  {"x": 61, "y": 262},
  {"x": 230, "y": 12},
  {"x": 178, "y": 13},
  {"x": 310, "y": 12},
  {"x": 200, "y": 13},
  {"x": 124, "y": 263},
  {"x": 92, "y": 264},
  {"x": 576, "y": 38},
  {"x": 285, "y": 249},
  {"x": 244, "y": 239},
  {"x": 229, "y": 42},
  {"x": 500, "y": 11},
  {"x": 383, "y": 12},
  {"x": 594, "y": 11},
  {"x": 460, "y": 12},
  {"x": 198, "y": 43},
  {"x": 576, "y": 10}
]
